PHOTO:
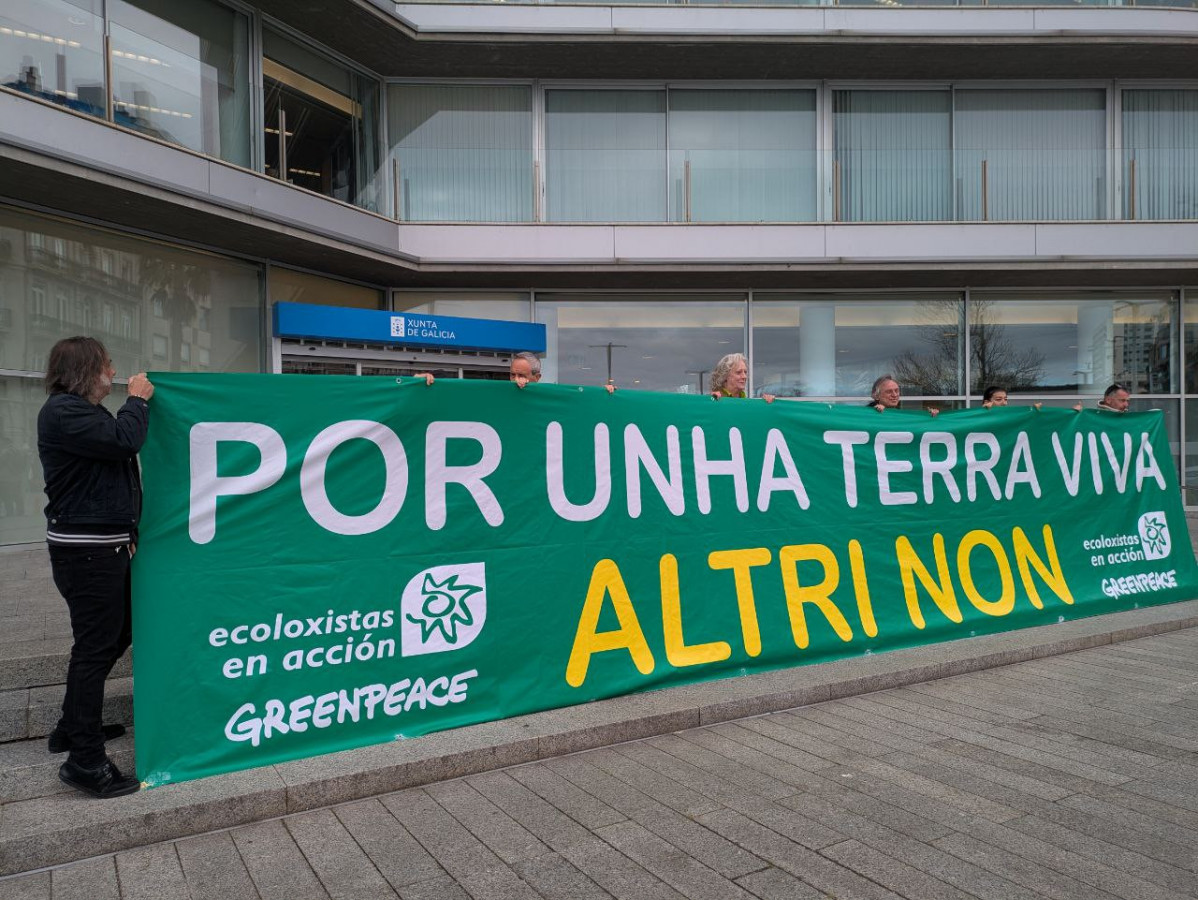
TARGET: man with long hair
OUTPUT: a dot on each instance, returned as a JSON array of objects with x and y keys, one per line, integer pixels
[{"x": 89, "y": 460}]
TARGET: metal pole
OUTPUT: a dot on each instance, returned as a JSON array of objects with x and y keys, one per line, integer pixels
[
  {"x": 536, "y": 190},
  {"x": 282, "y": 141},
  {"x": 1131, "y": 176},
  {"x": 836, "y": 191},
  {"x": 686, "y": 181},
  {"x": 398, "y": 189},
  {"x": 985, "y": 190}
]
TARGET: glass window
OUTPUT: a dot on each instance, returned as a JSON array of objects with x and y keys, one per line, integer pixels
[
  {"x": 1073, "y": 344},
  {"x": 808, "y": 345},
  {"x": 605, "y": 157},
  {"x": 511, "y": 306},
  {"x": 321, "y": 123},
  {"x": 654, "y": 342},
  {"x": 113, "y": 309},
  {"x": 54, "y": 49},
  {"x": 893, "y": 156},
  {"x": 1030, "y": 155},
  {"x": 303, "y": 287},
  {"x": 1160, "y": 155},
  {"x": 742, "y": 155},
  {"x": 463, "y": 153},
  {"x": 180, "y": 72}
]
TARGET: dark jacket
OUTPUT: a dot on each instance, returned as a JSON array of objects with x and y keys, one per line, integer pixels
[{"x": 89, "y": 461}]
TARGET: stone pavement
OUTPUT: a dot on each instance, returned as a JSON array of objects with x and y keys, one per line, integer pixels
[{"x": 1073, "y": 777}]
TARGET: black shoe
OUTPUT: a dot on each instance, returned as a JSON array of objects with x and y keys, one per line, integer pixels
[
  {"x": 103, "y": 781},
  {"x": 60, "y": 742}
]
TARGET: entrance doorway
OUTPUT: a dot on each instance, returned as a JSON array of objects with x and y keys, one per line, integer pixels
[{"x": 322, "y": 357}]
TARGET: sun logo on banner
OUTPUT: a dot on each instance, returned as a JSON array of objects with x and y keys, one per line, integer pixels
[
  {"x": 443, "y": 608},
  {"x": 1154, "y": 535}
]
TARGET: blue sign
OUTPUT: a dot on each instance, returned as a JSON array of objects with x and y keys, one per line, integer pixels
[{"x": 339, "y": 323}]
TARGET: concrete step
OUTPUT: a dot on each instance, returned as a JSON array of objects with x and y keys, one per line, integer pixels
[
  {"x": 59, "y": 827},
  {"x": 28, "y": 770},
  {"x": 33, "y": 713},
  {"x": 26, "y": 664}
]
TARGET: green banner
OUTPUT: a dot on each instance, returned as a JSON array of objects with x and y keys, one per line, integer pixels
[{"x": 329, "y": 562}]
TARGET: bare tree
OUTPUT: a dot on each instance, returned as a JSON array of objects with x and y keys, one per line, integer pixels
[
  {"x": 993, "y": 356},
  {"x": 180, "y": 287}
]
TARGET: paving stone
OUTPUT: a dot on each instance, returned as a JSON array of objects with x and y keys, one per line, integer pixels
[
  {"x": 397, "y": 855},
  {"x": 916, "y": 853},
  {"x": 1055, "y": 854},
  {"x": 806, "y": 865},
  {"x": 697, "y": 842},
  {"x": 586, "y": 809},
  {"x": 616, "y": 873},
  {"x": 1075, "y": 842},
  {"x": 760, "y": 783},
  {"x": 760, "y": 740},
  {"x": 26, "y": 887},
  {"x": 1037, "y": 878},
  {"x": 708, "y": 739},
  {"x": 213, "y": 868},
  {"x": 554, "y": 878},
  {"x": 688, "y": 876},
  {"x": 774, "y": 884},
  {"x": 890, "y": 872},
  {"x": 344, "y": 870},
  {"x": 151, "y": 873},
  {"x": 444, "y": 888},
  {"x": 276, "y": 865},
  {"x": 497, "y": 883},
  {"x": 14, "y": 715},
  {"x": 534, "y": 813},
  {"x": 92, "y": 879},
  {"x": 664, "y": 790},
  {"x": 619, "y": 795},
  {"x": 1148, "y": 824},
  {"x": 969, "y": 803},
  {"x": 454, "y": 848},
  {"x": 507, "y": 838}
]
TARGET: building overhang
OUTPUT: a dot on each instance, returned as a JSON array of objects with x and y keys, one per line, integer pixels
[
  {"x": 672, "y": 42},
  {"x": 59, "y": 161}
]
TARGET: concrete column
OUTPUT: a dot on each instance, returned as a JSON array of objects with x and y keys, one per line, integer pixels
[
  {"x": 1095, "y": 339},
  {"x": 817, "y": 349}
]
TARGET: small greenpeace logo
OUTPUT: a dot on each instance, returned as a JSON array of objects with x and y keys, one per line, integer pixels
[
  {"x": 397, "y": 326},
  {"x": 1154, "y": 535},
  {"x": 443, "y": 608}
]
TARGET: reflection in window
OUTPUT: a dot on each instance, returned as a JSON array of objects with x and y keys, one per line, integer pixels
[
  {"x": 655, "y": 343},
  {"x": 321, "y": 123},
  {"x": 835, "y": 346},
  {"x": 287, "y": 285},
  {"x": 511, "y": 306},
  {"x": 463, "y": 153},
  {"x": 166, "y": 289},
  {"x": 54, "y": 50},
  {"x": 1068, "y": 344},
  {"x": 180, "y": 73}
]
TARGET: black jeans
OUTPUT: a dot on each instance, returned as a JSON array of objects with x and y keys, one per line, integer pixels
[{"x": 95, "y": 583}]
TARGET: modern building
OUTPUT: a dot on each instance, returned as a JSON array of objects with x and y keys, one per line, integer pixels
[{"x": 960, "y": 194}]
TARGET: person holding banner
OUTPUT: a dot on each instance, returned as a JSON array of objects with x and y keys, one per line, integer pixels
[
  {"x": 730, "y": 377},
  {"x": 89, "y": 460},
  {"x": 525, "y": 369},
  {"x": 886, "y": 394},
  {"x": 994, "y": 396},
  {"x": 1116, "y": 399}
]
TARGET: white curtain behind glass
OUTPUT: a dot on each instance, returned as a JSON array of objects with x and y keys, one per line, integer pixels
[
  {"x": 893, "y": 150},
  {"x": 751, "y": 155},
  {"x": 605, "y": 158},
  {"x": 1045, "y": 154},
  {"x": 464, "y": 151},
  {"x": 1160, "y": 132}
]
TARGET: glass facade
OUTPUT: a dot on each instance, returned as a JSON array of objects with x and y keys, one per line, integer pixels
[
  {"x": 54, "y": 50},
  {"x": 1160, "y": 164},
  {"x": 831, "y": 346},
  {"x": 651, "y": 342},
  {"x": 180, "y": 72},
  {"x": 461, "y": 153},
  {"x": 321, "y": 123},
  {"x": 154, "y": 307}
]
